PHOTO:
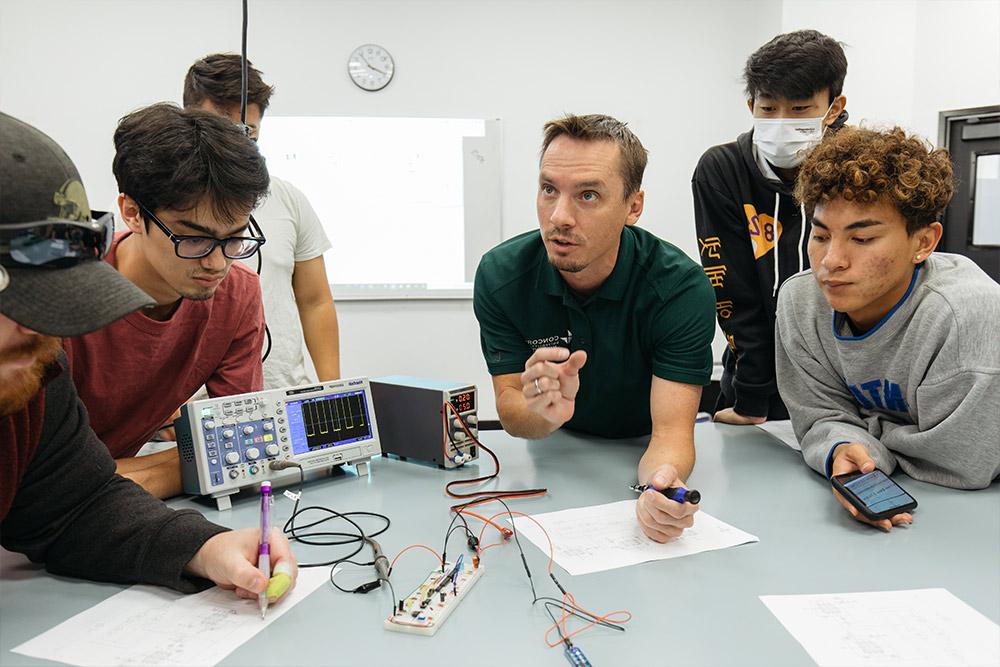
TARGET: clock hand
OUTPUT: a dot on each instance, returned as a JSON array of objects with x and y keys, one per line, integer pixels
[{"x": 372, "y": 67}]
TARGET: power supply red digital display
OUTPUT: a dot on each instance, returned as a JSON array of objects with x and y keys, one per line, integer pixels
[{"x": 464, "y": 402}]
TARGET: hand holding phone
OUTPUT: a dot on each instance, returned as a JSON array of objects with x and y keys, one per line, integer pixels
[{"x": 866, "y": 492}]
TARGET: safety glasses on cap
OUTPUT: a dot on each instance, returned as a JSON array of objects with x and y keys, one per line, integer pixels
[{"x": 55, "y": 243}]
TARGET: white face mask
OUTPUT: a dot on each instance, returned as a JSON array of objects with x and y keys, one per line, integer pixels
[{"x": 785, "y": 142}]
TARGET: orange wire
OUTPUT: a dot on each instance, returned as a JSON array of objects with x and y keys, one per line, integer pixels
[
  {"x": 567, "y": 598},
  {"x": 414, "y": 546}
]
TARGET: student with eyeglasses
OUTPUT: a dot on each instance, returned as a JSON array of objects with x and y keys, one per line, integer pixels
[
  {"x": 188, "y": 181},
  {"x": 61, "y": 502}
]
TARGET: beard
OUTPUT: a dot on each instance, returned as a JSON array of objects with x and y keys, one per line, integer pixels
[
  {"x": 567, "y": 265},
  {"x": 19, "y": 387}
]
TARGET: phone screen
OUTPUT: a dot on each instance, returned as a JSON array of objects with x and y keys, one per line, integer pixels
[{"x": 878, "y": 492}]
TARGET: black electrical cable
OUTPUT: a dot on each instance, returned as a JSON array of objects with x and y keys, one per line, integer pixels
[
  {"x": 572, "y": 610},
  {"x": 244, "y": 75},
  {"x": 477, "y": 495},
  {"x": 294, "y": 533}
]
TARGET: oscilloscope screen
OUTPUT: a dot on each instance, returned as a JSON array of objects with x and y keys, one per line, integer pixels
[{"x": 328, "y": 421}]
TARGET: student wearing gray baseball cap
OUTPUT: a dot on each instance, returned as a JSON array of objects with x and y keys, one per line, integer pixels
[{"x": 61, "y": 502}]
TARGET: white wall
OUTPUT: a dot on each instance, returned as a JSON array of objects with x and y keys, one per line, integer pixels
[
  {"x": 671, "y": 69},
  {"x": 909, "y": 59}
]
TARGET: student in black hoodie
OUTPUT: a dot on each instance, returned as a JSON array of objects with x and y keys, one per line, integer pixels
[{"x": 743, "y": 204}]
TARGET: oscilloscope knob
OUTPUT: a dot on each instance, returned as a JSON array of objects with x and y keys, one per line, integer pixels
[
  {"x": 232, "y": 458},
  {"x": 252, "y": 453},
  {"x": 268, "y": 426},
  {"x": 228, "y": 433},
  {"x": 271, "y": 450},
  {"x": 209, "y": 425},
  {"x": 248, "y": 430}
]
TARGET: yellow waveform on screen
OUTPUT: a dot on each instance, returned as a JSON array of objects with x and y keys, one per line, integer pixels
[{"x": 334, "y": 413}]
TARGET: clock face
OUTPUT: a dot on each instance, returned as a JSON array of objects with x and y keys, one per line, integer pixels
[{"x": 370, "y": 67}]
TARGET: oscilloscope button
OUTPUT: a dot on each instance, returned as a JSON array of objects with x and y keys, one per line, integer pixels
[
  {"x": 252, "y": 453},
  {"x": 248, "y": 429},
  {"x": 279, "y": 411},
  {"x": 281, "y": 420},
  {"x": 232, "y": 458},
  {"x": 282, "y": 429}
]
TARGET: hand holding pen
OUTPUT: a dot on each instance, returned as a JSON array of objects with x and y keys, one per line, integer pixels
[{"x": 665, "y": 507}]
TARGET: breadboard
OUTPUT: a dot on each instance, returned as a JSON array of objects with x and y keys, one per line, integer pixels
[{"x": 426, "y": 619}]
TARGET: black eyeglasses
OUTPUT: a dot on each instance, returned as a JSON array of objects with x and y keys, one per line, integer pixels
[
  {"x": 196, "y": 247},
  {"x": 56, "y": 243}
]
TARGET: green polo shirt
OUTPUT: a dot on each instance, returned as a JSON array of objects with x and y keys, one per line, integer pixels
[{"x": 654, "y": 315}]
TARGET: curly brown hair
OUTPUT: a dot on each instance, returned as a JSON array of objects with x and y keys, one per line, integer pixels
[{"x": 865, "y": 166}]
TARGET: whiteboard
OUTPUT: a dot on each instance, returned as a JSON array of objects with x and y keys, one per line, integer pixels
[{"x": 409, "y": 204}]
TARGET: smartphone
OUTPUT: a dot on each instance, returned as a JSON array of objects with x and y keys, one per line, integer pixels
[{"x": 874, "y": 495}]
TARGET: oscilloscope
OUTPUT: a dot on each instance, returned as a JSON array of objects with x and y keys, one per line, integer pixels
[{"x": 228, "y": 443}]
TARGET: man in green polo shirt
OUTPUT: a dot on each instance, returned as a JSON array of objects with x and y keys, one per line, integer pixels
[{"x": 595, "y": 324}]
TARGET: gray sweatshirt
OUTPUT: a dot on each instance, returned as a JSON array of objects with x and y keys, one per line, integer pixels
[{"x": 921, "y": 389}]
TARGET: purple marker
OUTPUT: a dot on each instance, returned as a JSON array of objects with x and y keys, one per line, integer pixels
[{"x": 264, "y": 552}]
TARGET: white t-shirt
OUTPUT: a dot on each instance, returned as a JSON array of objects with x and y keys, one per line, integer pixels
[{"x": 294, "y": 234}]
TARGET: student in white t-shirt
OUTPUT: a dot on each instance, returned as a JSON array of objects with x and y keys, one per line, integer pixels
[{"x": 298, "y": 304}]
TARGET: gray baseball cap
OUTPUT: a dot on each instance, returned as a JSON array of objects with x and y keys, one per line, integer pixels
[{"x": 39, "y": 183}]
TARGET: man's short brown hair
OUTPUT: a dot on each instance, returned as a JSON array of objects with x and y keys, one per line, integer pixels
[
  {"x": 598, "y": 127},
  {"x": 218, "y": 79},
  {"x": 865, "y": 166}
]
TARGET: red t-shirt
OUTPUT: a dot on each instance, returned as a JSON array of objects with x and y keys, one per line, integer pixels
[{"x": 133, "y": 374}]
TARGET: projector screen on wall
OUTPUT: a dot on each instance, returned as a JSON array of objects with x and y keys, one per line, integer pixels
[{"x": 409, "y": 204}]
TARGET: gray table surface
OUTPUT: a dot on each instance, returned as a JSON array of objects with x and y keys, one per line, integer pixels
[{"x": 697, "y": 610}]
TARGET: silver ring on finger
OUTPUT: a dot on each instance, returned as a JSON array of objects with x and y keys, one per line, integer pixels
[{"x": 538, "y": 388}]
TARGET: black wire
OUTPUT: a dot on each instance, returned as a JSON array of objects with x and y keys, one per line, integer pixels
[
  {"x": 243, "y": 71},
  {"x": 294, "y": 531},
  {"x": 573, "y": 610},
  {"x": 477, "y": 495},
  {"x": 246, "y": 130}
]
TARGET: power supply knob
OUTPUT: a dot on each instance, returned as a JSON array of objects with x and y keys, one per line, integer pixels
[
  {"x": 268, "y": 426},
  {"x": 228, "y": 433},
  {"x": 247, "y": 430},
  {"x": 232, "y": 458},
  {"x": 471, "y": 420},
  {"x": 460, "y": 436},
  {"x": 271, "y": 450},
  {"x": 252, "y": 454},
  {"x": 209, "y": 425},
  {"x": 457, "y": 423}
]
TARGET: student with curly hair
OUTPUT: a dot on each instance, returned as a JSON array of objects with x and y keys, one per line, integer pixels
[{"x": 886, "y": 351}]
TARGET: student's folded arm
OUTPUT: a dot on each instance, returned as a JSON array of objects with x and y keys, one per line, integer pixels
[
  {"x": 159, "y": 473},
  {"x": 75, "y": 515},
  {"x": 959, "y": 429},
  {"x": 822, "y": 409},
  {"x": 727, "y": 256}
]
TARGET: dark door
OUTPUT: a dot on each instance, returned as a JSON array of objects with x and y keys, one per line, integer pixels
[{"x": 972, "y": 220}]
